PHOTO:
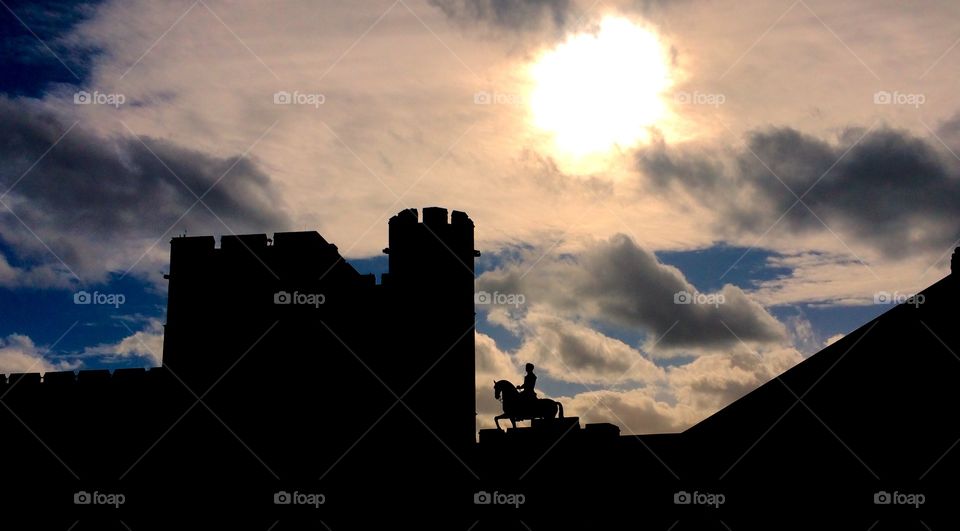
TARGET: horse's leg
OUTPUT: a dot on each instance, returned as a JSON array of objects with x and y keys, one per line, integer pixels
[
  {"x": 513, "y": 421},
  {"x": 497, "y": 421}
]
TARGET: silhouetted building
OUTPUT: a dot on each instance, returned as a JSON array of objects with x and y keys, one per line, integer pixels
[
  {"x": 416, "y": 327},
  {"x": 286, "y": 374}
]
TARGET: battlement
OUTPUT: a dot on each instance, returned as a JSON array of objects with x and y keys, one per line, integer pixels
[
  {"x": 299, "y": 240},
  {"x": 286, "y": 256},
  {"x": 432, "y": 216},
  {"x": 82, "y": 377},
  {"x": 68, "y": 385}
]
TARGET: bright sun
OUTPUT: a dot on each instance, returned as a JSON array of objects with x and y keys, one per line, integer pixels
[{"x": 600, "y": 90}]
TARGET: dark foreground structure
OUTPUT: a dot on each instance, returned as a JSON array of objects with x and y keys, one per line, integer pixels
[{"x": 296, "y": 391}]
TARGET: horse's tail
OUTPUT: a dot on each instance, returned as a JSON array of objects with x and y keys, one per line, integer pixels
[{"x": 560, "y": 406}]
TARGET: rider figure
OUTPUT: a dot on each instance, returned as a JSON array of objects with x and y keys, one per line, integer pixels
[{"x": 529, "y": 383}]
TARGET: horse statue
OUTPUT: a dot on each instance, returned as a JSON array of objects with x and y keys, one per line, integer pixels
[{"x": 516, "y": 408}]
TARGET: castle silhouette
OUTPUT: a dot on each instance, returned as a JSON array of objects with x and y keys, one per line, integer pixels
[{"x": 295, "y": 388}]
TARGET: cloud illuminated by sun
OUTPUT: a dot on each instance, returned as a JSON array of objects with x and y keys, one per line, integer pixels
[{"x": 597, "y": 91}]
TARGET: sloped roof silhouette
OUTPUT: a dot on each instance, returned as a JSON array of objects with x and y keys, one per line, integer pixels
[{"x": 877, "y": 402}]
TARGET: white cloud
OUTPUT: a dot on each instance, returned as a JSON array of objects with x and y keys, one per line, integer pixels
[
  {"x": 711, "y": 382},
  {"x": 576, "y": 304},
  {"x": 689, "y": 393},
  {"x": 618, "y": 283},
  {"x": 833, "y": 339},
  {"x": 18, "y": 354},
  {"x": 146, "y": 344},
  {"x": 634, "y": 411},
  {"x": 42, "y": 275},
  {"x": 491, "y": 364},
  {"x": 802, "y": 334},
  {"x": 575, "y": 352},
  {"x": 828, "y": 279}
]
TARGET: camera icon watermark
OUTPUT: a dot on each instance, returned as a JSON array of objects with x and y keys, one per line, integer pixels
[
  {"x": 500, "y": 299},
  {"x": 82, "y": 97},
  {"x": 296, "y": 97},
  {"x": 709, "y": 499},
  {"x": 297, "y": 298},
  {"x": 886, "y": 297},
  {"x": 499, "y": 498},
  {"x": 714, "y": 99},
  {"x": 883, "y": 97},
  {"x": 107, "y": 299},
  {"x": 711, "y": 299},
  {"x": 314, "y": 499},
  {"x": 914, "y": 499},
  {"x": 483, "y": 97},
  {"x": 83, "y": 497}
]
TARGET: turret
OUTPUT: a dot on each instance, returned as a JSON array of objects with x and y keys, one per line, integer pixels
[{"x": 431, "y": 284}]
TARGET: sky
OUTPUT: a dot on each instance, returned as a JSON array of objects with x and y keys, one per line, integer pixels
[{"x": 675, "y": 201}]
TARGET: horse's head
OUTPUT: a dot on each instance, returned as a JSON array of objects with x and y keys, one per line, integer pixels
[{"x": 499, "y": 387}]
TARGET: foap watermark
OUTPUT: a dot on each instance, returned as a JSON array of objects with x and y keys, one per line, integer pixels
[
  {"x": 104, "y": 299},
  {"x": 483, "y": 497},
  {"x": 299, "y": 98},
  {"x": 711, "y": 299},
  {"x": 883, "y": 97},
  {"x": 114, "y": 499},
  {"x": 896, "y": 497},
  {"x": 886, "y": 297},
  {"x": 710, "y": 499},
  {"x": 483, "y": 97},
  {"x": 82, "y": 97},
  {"x": 314, "y": 499},
  {"x": 499, "y": 299},
  {"x": 714, "y": 99},
  {"x": 297, "y": 298}
]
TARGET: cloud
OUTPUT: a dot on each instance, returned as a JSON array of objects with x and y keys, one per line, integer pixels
[
  {"x": 576, "y": 353},
  {"x": 949, "y": 131},
  {"x": 634, "y": 411},
  {"x": 491, "y": 364},
  {"x": 42, "y": 275},
  {"x": 832, "y": 339},
  {"x": 100, "y": 201},
  {"x": 580, "y": 307},
  {"x": 884, "y": 188},
  {"x": 711, "y": 382},
  {"x": 689, "y": 393},
  {"x": 802, "y": 334},
  {"x": 533, "y": 15},
  {"x": 18, "y": 354},
  {"x": 513, "y": 15},
  {"x": 618, "y": 283},
  {"x": 146, "y": 344}
]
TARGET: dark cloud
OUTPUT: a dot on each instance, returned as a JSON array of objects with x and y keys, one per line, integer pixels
[
  {"x": 91, "y": 197},
  {"x": 949, "y": 131},
  {"x": 536, "y": 15},
  {"x": 618, "y": 283},
  {"x": 885, "y": 188},
  {"x": 507, "y": 14}
]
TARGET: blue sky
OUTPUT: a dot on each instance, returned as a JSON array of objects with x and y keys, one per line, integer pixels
[{"x": 29, "y": 68}]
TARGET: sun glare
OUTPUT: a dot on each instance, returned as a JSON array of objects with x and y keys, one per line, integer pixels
[{"x": 600, "y": 90}]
